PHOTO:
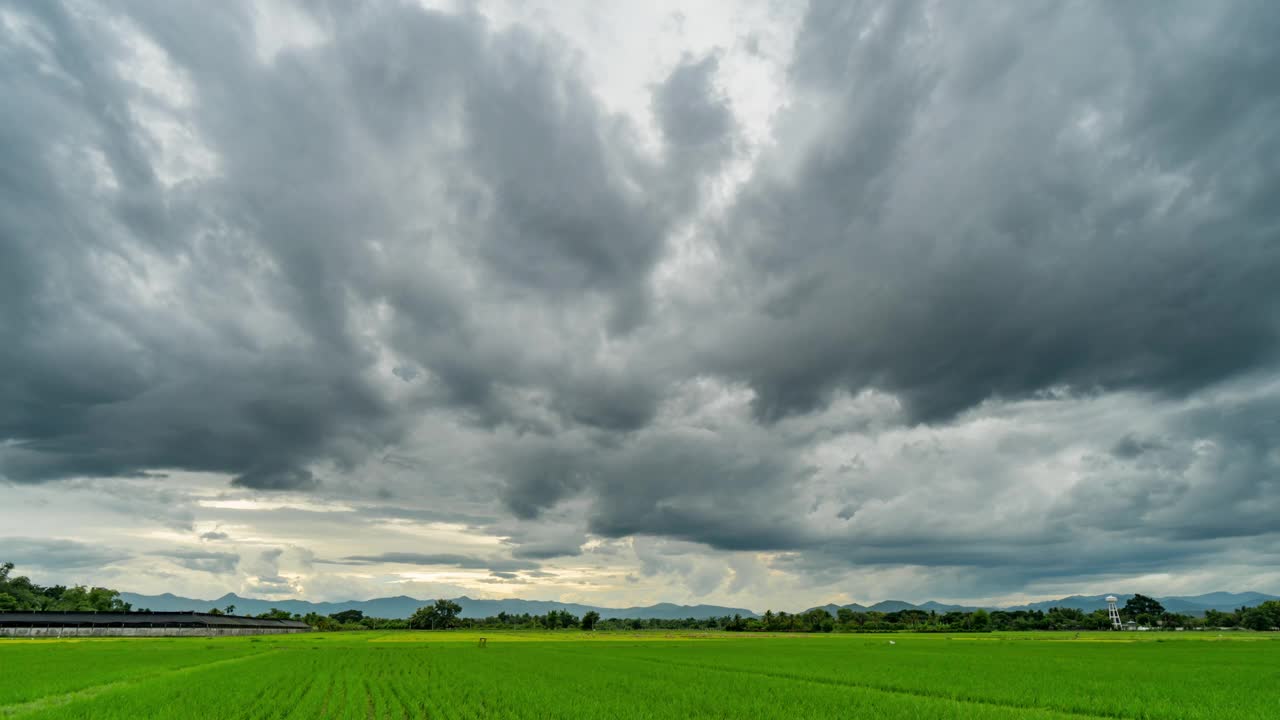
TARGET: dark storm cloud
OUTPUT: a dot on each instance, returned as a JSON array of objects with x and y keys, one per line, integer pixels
[
  {"x": 1130, "y": 447},
  {"x": 952, "y": 220},
  {"x": 1204, "y": 496},
  {"x": 697, "y": 125},
  {"x": 216, "y": 323},
  {"x": 580, "y": 232},
  {"x": 550, "y": 535},
  {"x": 715, "y": 487},
  {"x": 1001, "y": 571},
  {"x": 698, "y": 486},
  {"x": 539, "y": 473},
  {"x": 991, "y": 202},
  {"x": 1220, "y": 480},
  {"x": 53, "y": 554},
  {"x": 969, "y": 497},
  {"x": 689, "y": 110}
]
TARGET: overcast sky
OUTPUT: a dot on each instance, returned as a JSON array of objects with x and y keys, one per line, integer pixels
[{"x": 765, "y": 304}]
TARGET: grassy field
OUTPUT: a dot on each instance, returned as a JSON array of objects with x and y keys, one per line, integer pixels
[{"x": 652, "y": 675}]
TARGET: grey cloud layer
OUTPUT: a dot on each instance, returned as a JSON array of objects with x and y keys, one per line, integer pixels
[
  {"x": 396, "y": 176},
  {"x": 57, "y": 554},
  {"x": 1002, "y": 284},
  {"x": 991, "y": 202}
]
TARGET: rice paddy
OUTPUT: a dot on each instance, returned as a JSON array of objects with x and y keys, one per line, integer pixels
[{"x": 651, "y": 675}]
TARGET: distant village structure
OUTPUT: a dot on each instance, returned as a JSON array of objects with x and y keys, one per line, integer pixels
[{"x": 140, "y": 624}]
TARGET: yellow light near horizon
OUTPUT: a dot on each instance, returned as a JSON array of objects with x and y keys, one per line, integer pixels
[
  {"x": 248, "y": 504},
  {"x": 456, "y": 532}
]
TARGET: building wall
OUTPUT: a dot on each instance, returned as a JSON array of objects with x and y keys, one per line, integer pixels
[{"x": 53, "y": 632}]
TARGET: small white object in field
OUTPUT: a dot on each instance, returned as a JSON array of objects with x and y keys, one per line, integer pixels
[{"x": 892, "y": 642}]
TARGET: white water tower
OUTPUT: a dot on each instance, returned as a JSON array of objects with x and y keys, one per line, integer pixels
[{"x": 1113, "y": 613}]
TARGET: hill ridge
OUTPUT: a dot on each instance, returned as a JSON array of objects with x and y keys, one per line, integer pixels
[
  {"x": 402, "y": 606},
  {"x": 1186, "y": 604}
]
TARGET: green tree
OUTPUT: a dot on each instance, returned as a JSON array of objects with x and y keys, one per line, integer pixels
[
  {"x": 348, "y": 616},
  {"x": 912, "y": 617},
  {"x": 441, "y": 615},
  {"x": 1217, "y": 618},
  {"x": 1059, "y": 618},
  {"x": 818, "y": 620},
  {"x": 1142, "y": 608},
  {"x": 1176, "y": 620},
  {"x": 424, "y": 618},
  {"x": 979, "y": 620},
  {"x": 229, "y": 610},
  {"x": 589, "y": 620},
  {"x": 82, "y": 599},
  {"x": 320, "y": 622},
  {"x": 1272, "y": 609},
  {"x": 1264, "y": 617},
  {"x": 7, "y": 600},
  {"x": 1097, "y": 620},
  {"x": 276, "y": 614},
  {"x": 19, "y": 593}
]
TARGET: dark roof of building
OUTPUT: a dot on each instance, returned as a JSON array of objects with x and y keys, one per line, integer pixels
[{"x": 140, "y": 619}]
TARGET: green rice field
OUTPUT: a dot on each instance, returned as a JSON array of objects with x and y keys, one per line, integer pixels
[{"x": 651, "y": 675}]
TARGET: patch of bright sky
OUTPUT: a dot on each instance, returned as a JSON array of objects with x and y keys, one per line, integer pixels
[
  {"x": 465, "y": 578},
  {"x": 281, "y": 25},
  {"x": 627, "y": 49},
  {"x": 305, "y": 505},
  {"x": 439, "y": 532}
]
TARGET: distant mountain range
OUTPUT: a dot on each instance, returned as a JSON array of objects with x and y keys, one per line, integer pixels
[
  {"x": 888, "y": 606},
  {"x": 1187, "y": 605},
  {"x": 403, "y": 606}
]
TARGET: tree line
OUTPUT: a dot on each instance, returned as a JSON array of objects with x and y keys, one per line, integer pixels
[
  {"x": 443, "y": 615},
  {"x": 1140, "y": 609},
  {"x": 18, "y": 593}
]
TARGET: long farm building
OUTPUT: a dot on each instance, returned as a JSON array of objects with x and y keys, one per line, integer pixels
[{"x": 139, "y": 624}]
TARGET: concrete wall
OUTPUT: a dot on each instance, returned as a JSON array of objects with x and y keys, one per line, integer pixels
[{"x": 54, "y": 632}]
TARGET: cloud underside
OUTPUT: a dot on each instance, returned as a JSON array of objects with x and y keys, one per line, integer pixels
[
  {"x": 467, "y": 562},
  {"x": 1001, "y": 285}
]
